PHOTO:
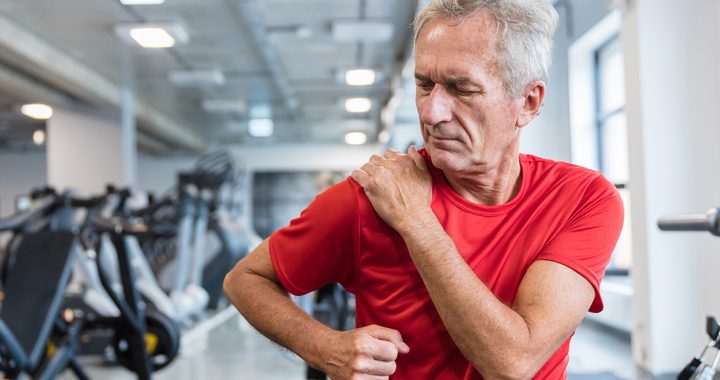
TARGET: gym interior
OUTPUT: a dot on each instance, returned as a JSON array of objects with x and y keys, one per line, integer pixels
[{"x": 160, "y": 141}]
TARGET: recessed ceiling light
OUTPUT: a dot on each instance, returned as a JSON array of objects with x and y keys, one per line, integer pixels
[
  {"x": 37, "y": 111},
  {"x": 367, "y": 31},
  {"x": 152, "y": 38},
  {"x": 360, "y": 77},
  {"x": 358, "y": 105},
  {"x": 355, "y": 138},
  {"x": 152, "y": 35},
  {"x": 38, "y": 137},
  {"x": 260, "y": 127},
  {"x": 142, "y": 2},
  {"x": 211, "y": 77}
]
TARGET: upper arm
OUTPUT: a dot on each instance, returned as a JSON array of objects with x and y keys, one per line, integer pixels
[
  {"x": 552, "y": 299},
  {"x": 258, "y": 262}
]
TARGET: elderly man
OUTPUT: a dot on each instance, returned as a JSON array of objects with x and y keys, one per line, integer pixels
[{"x": 468, "y": 259}]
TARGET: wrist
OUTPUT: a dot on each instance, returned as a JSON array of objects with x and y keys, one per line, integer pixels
[
  {"x": 325, "y": 345},
  {"x": 419, "y": 223}
]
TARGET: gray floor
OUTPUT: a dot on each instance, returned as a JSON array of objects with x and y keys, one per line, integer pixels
[{"x": 233, "y": 350}]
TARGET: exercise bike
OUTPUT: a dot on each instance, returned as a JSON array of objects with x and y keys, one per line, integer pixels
[{"x": 698, "y": 368}]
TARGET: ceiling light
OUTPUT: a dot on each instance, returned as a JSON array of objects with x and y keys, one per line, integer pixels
[
  {"x": 362, "y": 31},
  {"x": 141, "y": 2},
  {"x": 152, "y": 38},
  {"x": 260, "y": 127},
  {"x": 212, "y": 77},
  {"x": 39, "y": 137},
  {"x": 152, "y": 35},
  {"x": 224, "y": 105},
  {"x": 357, "y": 105},
  {"x": 355, "y": 138},
  {"x": 360, "y": 77},
  {"x": 37, "y": 111}
]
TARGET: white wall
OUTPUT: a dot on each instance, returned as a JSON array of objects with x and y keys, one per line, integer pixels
[
  {"x": 549, "y": 135},
  {"x": 158, "y": 174},
  {"x": 671, "y": 63},
  {"x": 20, "y": 173},
  {"x": 86, "y": 150}
]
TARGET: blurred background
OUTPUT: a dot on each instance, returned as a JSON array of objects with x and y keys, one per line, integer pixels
[{"x": 297, "y": 93}]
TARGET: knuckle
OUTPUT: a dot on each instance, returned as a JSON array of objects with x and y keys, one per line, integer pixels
[
  {"x": 357, "y": 364},
  {"x": 394, "y": 352},
  {"x": 392, "y": 367}
]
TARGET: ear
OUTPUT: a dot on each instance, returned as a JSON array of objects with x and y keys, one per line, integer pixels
[{"x": 532, "y": 102}]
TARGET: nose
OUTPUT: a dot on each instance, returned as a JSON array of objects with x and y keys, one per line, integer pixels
[{"x": 435, "y": 107}]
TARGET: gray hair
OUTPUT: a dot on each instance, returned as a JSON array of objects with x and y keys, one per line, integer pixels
[{"x": 525, "y": 30}]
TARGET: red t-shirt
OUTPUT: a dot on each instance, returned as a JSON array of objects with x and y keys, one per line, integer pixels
[{"x": 563, "y": 213}]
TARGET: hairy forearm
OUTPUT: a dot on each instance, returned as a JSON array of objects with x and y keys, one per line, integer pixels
[
  {"x": 268, "y": 308},
  {"x": 494, "y": 337}
]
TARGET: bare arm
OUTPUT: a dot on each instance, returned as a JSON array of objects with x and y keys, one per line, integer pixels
[
  {"x": 255, "y": 290},
  {"x": 500, "y": 341}
]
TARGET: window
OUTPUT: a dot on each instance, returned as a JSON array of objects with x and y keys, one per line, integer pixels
[
  {"x": 597, "y": 117},
  {"x": 610, "y": 113}
]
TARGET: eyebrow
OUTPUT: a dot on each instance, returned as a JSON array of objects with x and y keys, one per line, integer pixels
[{"x": 454, "y": 80}]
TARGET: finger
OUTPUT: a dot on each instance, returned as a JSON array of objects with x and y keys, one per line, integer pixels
[
  {"x": 370, "y": 168},
  {"x": 391, "y": 153},
  {"x": 384, "y": 351},
  {"x": 360, "y": 176},
  {"x": 371, "y": 377},
  {"x": 417, "y": 158},
  {"x": 390, "y": 335},
  {"x": 367, "y": 366},
  {"x": 375, "y": 159}
]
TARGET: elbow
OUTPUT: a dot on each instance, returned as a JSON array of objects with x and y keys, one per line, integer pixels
[
  {"x": 232, "y": 283},
  {"x": 511, "y": 368}
]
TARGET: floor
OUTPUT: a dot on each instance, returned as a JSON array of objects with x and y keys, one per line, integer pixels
[{"x": 232, "y": 349}]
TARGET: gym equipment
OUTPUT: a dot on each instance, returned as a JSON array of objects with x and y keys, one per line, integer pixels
[
  {"x": 210, "y": 239},
  {"x": 36, "y": 337},
  {"x": 709, "y": 221},
  {"x": 143, "y": 339},
  {"x": 697, "y": 368}
]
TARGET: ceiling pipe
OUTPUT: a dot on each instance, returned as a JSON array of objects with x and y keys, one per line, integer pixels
[{"x": 249, "y": 15}]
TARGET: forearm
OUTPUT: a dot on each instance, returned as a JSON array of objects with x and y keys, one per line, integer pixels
[
  {"x": 268, "y": 308},
  {"x": 494, "y": 337}
]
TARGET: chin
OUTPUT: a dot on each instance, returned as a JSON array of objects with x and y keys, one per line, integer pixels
[{"x": 445, "y": 160}]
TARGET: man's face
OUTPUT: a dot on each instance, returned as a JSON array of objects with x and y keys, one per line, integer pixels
[{"x": 468, "y": 120}]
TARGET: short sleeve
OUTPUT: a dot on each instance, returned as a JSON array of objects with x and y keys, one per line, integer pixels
[
  {"x": 588, "y": 239},
  {"x": 317, "y": 248}
]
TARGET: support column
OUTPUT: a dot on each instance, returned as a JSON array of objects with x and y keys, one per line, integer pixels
[
  {"x": 89, "y": 148},
  {"x": 671, "y": 55}
]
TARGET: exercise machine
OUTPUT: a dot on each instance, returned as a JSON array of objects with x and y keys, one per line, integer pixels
[{"x": 698, "y": 368}]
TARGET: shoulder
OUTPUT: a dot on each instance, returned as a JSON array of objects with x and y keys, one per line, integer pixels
[{"x": 565, "y": 174}]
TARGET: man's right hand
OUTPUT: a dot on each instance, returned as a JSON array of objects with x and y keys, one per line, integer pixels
[{"x": 364, "y": 353}]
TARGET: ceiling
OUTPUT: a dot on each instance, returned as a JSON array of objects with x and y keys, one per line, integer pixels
[{"x": 276, "y": 55}]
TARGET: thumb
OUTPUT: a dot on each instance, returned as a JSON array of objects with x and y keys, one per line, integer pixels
[
  {"x": 416, "y": 157},
  {"x": 390, "y": 335}
]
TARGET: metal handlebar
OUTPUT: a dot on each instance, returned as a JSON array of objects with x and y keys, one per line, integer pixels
[
  {"x": 709, "y": 221},
  {"x": 38, "y": 208}
]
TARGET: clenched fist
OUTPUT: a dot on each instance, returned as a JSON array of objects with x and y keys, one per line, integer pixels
[{"x": 364, "y": 353}]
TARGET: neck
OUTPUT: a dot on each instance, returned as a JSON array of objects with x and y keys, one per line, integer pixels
[{"x": 494, "y": 184}]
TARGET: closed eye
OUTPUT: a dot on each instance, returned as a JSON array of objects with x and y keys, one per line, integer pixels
[{"x": 425, "y": 85}]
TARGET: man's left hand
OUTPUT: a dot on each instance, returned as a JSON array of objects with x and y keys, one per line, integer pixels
[{"x": 399, "y": 187}]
